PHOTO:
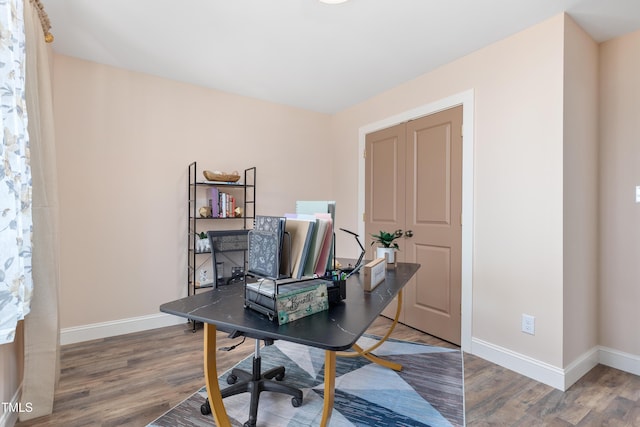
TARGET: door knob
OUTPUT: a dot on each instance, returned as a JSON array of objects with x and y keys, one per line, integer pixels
[{"x": 409, "y": 233}]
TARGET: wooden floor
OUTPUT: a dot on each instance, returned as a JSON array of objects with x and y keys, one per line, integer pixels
[{"x": 132, "y": 379}]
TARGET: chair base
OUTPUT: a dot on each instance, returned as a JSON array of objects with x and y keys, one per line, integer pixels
[{"x": 255, "y": 383}]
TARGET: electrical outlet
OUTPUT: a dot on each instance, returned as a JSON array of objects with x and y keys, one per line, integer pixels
[{"x": 528, "y": 324}]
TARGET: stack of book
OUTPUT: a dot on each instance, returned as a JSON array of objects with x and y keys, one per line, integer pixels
[{"x": 223, "y": 205}]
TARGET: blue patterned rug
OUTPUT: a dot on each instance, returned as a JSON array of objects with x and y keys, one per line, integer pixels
[{"x": 427, "y": 392}]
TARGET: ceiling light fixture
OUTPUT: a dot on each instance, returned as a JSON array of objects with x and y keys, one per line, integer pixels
[{"x": 332, "y": 1}]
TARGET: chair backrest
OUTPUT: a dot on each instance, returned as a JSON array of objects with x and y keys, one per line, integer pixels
[{"x": 222, "y": 241}]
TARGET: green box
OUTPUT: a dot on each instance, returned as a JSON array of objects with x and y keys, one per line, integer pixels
[{"x": 300, "y": 303}]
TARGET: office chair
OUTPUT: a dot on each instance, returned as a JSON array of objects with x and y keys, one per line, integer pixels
[{"x": 256, "y": 381}]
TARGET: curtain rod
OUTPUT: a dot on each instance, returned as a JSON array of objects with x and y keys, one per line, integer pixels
[{"x": 44, "y": 20}]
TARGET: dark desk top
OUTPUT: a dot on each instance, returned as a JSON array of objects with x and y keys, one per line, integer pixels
[{"x": 335, "y": 329}]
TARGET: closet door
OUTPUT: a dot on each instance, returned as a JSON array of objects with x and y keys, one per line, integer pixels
[
  {"x": 425, "y": 199},
  {"x": 385, "y": 155},
  {"x": 433, "y": 214}
]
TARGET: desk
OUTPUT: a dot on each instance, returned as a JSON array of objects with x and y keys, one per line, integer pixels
[{"x": 334, "y": 330}]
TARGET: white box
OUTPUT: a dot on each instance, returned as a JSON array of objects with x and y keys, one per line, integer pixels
[{"x": 374, "y": 273}]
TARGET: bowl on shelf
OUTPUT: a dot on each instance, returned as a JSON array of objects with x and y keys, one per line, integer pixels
[{"x": 221, "y": 176}]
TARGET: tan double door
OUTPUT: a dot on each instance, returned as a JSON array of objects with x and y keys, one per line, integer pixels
[{"x": 413, "y": 182}]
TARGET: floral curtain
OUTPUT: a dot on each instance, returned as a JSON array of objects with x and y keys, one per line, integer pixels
[{"x": 16, "y": 283}]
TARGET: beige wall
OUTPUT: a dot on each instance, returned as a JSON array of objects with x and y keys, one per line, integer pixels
[
  {"x": 620, "y": 174},
  {"x": 580, "y": 193},
  {"x": 517, "y": 251},
  {"x": 124, "y": 141}
]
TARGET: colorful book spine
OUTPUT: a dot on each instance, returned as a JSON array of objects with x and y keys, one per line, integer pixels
[
  {"x": 223, "y": 205},
  {"x": 215, "y": 202}
]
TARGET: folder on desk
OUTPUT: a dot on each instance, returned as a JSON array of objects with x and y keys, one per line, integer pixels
[
  {"x": 313, "y": 207},
  {"x": 264, "y": 253},
  {"x": 315, "y": 246},
  {"x": 266, "y": 246},
  {"x": 327, "y": 245},
  {"x": 274, "y": 224},
  {"x": 301, "y": 229}
]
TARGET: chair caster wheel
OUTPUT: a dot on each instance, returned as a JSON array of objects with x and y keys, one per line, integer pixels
[
  {"x": 232, "y": 379},
  {"x": 249, "y": 424},
  {"x": 279, "y": 377},
  {"x": 205, "y": 409},
  {"x": 295, "y": 402}
]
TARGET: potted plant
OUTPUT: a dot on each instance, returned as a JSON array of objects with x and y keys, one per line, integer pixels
[
  {"x": 387, "y": 243},
  {"x": 202, "y": 242}
]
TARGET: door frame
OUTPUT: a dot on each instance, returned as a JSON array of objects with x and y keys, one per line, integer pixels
[{"x": 466, "y": 99}]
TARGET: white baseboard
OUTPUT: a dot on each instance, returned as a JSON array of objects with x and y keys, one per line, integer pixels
[
  {"x": 553, "y": 376},
  {"x": 580, "y": 366},
  {"x": 620, "y": 360},
  {"x": 524, "y": 365},
  {"x": 117, "y": 327}
]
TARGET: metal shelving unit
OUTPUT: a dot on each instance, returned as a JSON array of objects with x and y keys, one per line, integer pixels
[{"x": 198, "y": 192}]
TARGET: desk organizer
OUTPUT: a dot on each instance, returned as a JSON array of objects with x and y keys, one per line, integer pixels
[
  {"x": 287, "y": 301},
  {"x": 337, "y": 290}
]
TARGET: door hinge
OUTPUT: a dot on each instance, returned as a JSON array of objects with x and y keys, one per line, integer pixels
[
  {"x": 462, "y": 130},
  {"x": 364, "y": 217},
  {"x": 364, "y": 153}
]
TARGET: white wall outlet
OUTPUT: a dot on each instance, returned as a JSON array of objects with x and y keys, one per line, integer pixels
[
  {"x": 528, "y": 324},
  {"x": 637, "y": 193}
]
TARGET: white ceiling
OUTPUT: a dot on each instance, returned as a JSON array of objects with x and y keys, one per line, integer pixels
[{"x": 304, "y": 53}]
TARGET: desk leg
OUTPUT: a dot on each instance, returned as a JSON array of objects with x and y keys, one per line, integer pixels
[
  {"x": 329, "y": 386},
  {"x": 211, "y": 377},
  {"x": 359, "y": 351}
]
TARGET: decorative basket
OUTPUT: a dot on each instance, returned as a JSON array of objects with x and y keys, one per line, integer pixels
[{"x": 222, "y": 177}]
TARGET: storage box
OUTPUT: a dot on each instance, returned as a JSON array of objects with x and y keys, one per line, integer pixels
[
  {"x": 374, "y": 273},
  {"x": 287, "y": 301},
  {"x": 337, "y": 291},
  {"x": 296, "y": 304}
]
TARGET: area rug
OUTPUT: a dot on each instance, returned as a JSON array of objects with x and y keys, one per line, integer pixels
[{"x": 427, "y": 392}]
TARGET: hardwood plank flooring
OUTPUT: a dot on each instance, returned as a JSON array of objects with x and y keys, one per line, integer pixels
[{"x": 132, "y": 379}]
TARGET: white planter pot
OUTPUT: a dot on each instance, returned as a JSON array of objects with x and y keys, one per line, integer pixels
[
  {"x": 202, "y": 245},
  {"x": 388, "y": 253}
]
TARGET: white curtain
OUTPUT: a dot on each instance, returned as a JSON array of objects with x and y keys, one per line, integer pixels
[
  {"x": 16, "y": 284},
  {"x": 28, "y": 202},
  {"x": 41, "y": 326}
]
